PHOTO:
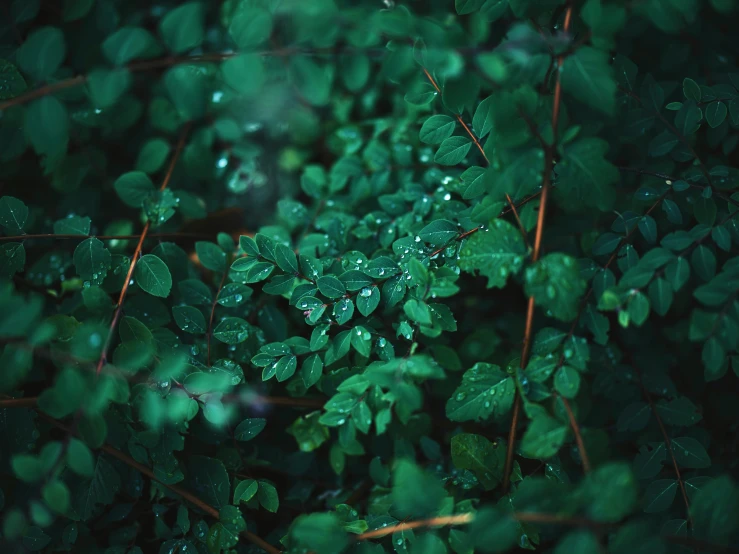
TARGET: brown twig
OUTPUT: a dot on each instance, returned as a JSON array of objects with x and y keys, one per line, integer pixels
[
  {"x": 137, "y": 253},
  {"x": 459, "y": 117},
  {"x": 528, "y": 330},
  {"x": 459, "y": 519},
  {"x": 578, "y": 435},
  {"x": 665, "y": 436},
  {"x": 518, "y": 220},
  {"x": 108, "y": 237},
  {"x": 205, "y": 507},
  {"x": 18, "y": 402}
]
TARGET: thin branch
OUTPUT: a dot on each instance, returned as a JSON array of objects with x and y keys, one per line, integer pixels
[
  {"x": 205, "y": 507},
  {"x": 528, "y": 330},
  {"x": 168, "y": 61},
  {"x": 18, "y": 402},
  {"x": 137, "y": 253},
  {"x": 578, "y": 435},
  {"x": 518, "y": 220},
  {"x": 459, "y": 117},
  {"x": 43, "y": 91},
  {"x": 665, "y": 436},
  {"x": 108, "y": 237},
  {"x": 316, "y": 403},
  {"x": 459, "y": 519}
]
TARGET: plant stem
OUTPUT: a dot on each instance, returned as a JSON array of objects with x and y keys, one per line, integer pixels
[
  {"x": 205, "y": 507},
  {"x": 137, "y": 253},
  {"x": 528, "y": 330}
]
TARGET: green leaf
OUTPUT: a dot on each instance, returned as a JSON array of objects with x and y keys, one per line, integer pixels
[
  {"x": 13, "y": 215},
  {"x": 438, "y": 232},
  {"x": 106, "y": 86},
  {"x": 483, "y": 121},
  {"x": 496, "y": 253},
  {"x": 42, "y": 53},
  {"x": 12, "y": 83},
  {"x": 465, "y": 7},
  {"x": 232, "y": 330},
  {"x": 415, "y": 492},
  {"x": 690, "y": 453},
  {"x": 715, "y": 511},
  {"x": 691, "y": 90},
  {"x": 152, "y": 156},
  {"x": 659, "y": 495},
  {"x": 612, "y": 492},
  {"x": 555, "y": 283},
  {"x": 76, "y": 9},
  {"x": 92, "y": 261},
  {"x": 479, "y": 455},
  {"x": 91, "y": 495},
  {"x": 312, "y": 80},
  {"x": 249, "y": 428},
  {"x": 245, "y": 490},
  {"x": 567, "y": 381},
  {"x": 286, "y": 259},
  {"x": 452, "y": 150},
  {"x": 13, "y": 259},
  {"x": 126, "y": 44},
  {"x": 209, "y": 480},
  {"x": 543, "y": 438},
  {"x": 319, "y": 532},
  {"x": 250, "y": 27},
  {"x": 80, "y": 459},
  {"x": 187, "y": 88},
  {"x": 73, "y": 225},
  {"x": 189, "y": 319},
  {"x": 367, "y": 300},
  {"x": 715, "y": 114},
  {"x": 585, "y": 177},
  {"x": 133, "y": 188},
  {"x": 153, "y": 276},
  {"x": 485, "y": 392},
  {"x": 285, "y": 367},
  {"x": 436, "y": 129},
  {"x": 588, "y": 76},
  {"x": 267, "y": 496},
  {"x": 35, "y": 539},
  {"x": 56, "y": 495},
  {"x": 211, "y": 256},
  {"x": 244, "y": 73},
  {"x": 331, "y": 287},
  {"x": 182, "y": 27},
  {"x": 47, "y": 126}
]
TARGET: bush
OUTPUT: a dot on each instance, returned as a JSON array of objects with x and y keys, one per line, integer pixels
[{"x": 331, "y": 276}]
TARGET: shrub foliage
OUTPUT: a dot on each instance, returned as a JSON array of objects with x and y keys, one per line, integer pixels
[{"x": 359, "y": 276}]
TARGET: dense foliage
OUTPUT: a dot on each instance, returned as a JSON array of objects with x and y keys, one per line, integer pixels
[{"x": 351, "y": 276}]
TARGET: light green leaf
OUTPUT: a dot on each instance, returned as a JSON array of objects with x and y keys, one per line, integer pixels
[
  {"x": 92, "y": 261},
  {"x": 437, "y": 129},
  {"x": 588, "y": 76},
  {"x": 182, "y": 27},
  {"x": 496, "y": 253},
  {"x": 153, "y": 276},
  {"x": 555, "y": 283},
  {"x": 452, "y": 150},
  {"x": 485, "y": 392},
  {"x": 232, "y": 330},
  {"x": 13, "y": 215},
  {"x": 249, "y": 428},
  {"x": 42, "y": 53}
]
